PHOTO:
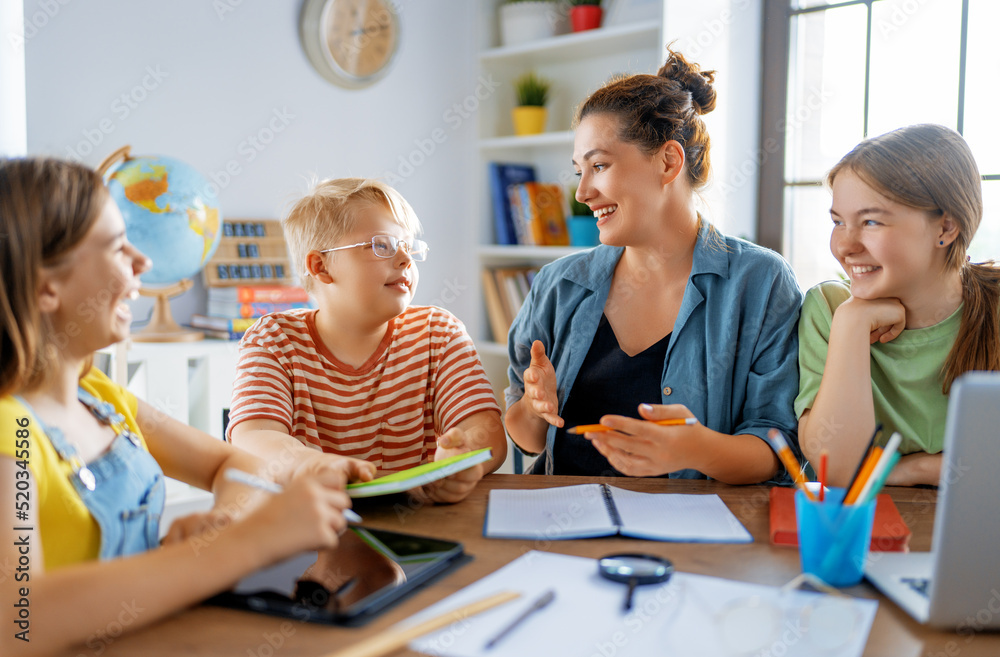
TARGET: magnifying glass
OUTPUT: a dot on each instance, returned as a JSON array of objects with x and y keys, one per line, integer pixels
[{"x": 634, "y": 570}]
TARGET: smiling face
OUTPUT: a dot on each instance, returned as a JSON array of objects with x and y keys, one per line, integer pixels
[
  {"x": 622, "y": 185},
  {"x": 887, "y": 249},
  {"x": 371, "y": 288},
  {"x": 86, "y": 295}
]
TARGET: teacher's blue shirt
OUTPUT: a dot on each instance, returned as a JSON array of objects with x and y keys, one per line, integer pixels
[{"x": 732, "y": 358}]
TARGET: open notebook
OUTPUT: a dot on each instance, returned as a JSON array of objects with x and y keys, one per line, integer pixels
[{"x": 590, "y": 510}]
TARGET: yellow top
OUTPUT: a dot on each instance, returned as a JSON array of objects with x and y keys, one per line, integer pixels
[{"x": 69, "y": 534}]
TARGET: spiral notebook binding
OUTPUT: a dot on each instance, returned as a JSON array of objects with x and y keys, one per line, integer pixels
[{"x": 609, "y": 502}]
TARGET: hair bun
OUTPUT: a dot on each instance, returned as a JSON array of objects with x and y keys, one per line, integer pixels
[{"x": 699, "y": 83}]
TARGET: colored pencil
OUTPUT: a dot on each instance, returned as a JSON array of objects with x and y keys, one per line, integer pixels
[
  {"x": 595, "y": 428},
  {"x": 880, "y": 467},
  {"x": 784, "y": 452},
  {"x": 824, "y": 456}
]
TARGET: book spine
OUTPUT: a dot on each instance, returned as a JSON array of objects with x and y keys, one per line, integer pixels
[
  {"x": 609, "y": 502},
  {"x": 253, "y": 309},
  {"x": 272, "y": 294},
  {"x": 502, "y": 220}
]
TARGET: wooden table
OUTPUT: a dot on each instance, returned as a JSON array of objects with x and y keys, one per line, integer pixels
[{"x": 215, "y": 631}]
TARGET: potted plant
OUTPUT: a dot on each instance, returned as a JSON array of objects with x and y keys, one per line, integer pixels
[
  {"x": 582, "y": 223},
  {"x": 530, "y": 114},
  {"x": 527, "y": 20},
  {"x": 585, "y": 14}
]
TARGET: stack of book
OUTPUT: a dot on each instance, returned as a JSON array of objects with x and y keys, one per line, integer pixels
[
  {"x": 526, "y": 212},
  {"x": 505, "y": 289},
  {"x": 234, "y": 309}
]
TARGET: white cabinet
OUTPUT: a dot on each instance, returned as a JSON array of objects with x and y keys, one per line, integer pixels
[{"x": 191, "y": 382}]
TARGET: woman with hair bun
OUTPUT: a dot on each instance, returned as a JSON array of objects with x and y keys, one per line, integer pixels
[
  {"x": 666, "y": 319},
  {"x": 885, "y": 346}
]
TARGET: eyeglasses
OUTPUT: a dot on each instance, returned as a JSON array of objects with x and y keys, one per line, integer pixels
[{"x": 386, "y": 246}]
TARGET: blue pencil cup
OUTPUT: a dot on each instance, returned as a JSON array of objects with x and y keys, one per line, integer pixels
[{"x": 834, "y": 539}]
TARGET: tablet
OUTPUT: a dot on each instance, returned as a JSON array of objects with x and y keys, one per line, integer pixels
[{"x": 368, "y": 571}]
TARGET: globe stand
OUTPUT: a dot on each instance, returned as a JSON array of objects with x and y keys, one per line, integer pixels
[{"x": 162, "y": 327}]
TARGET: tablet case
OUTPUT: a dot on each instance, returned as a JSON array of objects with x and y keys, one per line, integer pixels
[
  {"x": 312, "y": 602},
  {"x": 889, "y": 532}
]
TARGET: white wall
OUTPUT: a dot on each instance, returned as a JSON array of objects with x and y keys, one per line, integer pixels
[
  {"x": 725, "y": 35},
  {"x": 200, "y": 78},
  {"x": 196, "y": 80}
]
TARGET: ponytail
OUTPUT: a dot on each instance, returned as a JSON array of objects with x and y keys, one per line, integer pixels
[{"x": 977, "y": 346}]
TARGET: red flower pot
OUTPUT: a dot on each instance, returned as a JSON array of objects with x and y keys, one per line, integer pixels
[{"x": 585, "y": 17}]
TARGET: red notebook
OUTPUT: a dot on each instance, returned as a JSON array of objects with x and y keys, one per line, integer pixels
[{"x": 889, "y": 533}]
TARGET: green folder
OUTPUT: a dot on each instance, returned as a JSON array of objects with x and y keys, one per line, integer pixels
[{"x": 398, "y": 482}]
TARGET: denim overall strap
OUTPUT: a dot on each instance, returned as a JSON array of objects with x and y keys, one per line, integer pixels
[{"x": 126, "y": 492}]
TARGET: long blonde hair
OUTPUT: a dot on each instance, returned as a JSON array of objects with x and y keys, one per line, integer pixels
[
  {"x": 930, "y": 167},
  {"x": 46, "y": 208}
]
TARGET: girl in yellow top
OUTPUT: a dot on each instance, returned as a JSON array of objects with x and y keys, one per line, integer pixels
[
  {"x": 916, "y": 314},
  {"x": 81, "y": 458}
]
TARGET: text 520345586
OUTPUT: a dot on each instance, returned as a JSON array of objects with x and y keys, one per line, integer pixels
[{"x": 22, "y": 531}]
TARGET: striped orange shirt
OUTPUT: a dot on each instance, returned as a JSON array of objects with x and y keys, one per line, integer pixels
[{"x": 423, "y": 379}]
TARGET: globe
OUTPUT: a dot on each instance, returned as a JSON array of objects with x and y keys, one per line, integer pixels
[{"x": 171, "y": 214}]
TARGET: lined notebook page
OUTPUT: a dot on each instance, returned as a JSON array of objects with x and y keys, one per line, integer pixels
[
  {"x": 562, "y": 512},
  {"x": 678, "y": 517}
]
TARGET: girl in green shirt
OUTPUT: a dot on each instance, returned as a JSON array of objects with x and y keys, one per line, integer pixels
[{"x": 886, "y": 346}]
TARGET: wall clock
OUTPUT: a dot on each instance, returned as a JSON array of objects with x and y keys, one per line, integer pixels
[{"x": 350, "y": 42}]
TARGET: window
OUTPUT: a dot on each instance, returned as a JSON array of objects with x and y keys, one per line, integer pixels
[{"x": 841, "y": 71}]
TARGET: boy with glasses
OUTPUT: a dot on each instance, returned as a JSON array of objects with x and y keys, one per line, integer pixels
[{"x": 365, "y": 375}]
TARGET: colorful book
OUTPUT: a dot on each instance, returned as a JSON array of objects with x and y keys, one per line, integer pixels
[
  {"x": 889, "y": 532},
  {"x": 258, "y": 294},
  {"x": 400, "y": 482},
  {"x": 503, "y": 176},
  {"x": 539, "y": 217},
  {"x": 252, "y": 309},
  {"x": 227, "y": 324}
]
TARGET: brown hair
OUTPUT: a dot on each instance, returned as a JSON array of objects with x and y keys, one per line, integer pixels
[
  {"x": 655, "y": 109},
  {"x": 322, "y": 217},
  {"x": 931, "y": 168},
  {"x": 46, "y": 208}
]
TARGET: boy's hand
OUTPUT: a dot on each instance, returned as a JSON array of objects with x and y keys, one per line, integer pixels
[
  {"x": 540, "y": 386},
  {"x": 332, "y": 468},
  {"x": 456, "y": 487}
]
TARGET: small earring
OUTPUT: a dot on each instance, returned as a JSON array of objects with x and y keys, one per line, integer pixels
[{"x": 941, "y": 242}]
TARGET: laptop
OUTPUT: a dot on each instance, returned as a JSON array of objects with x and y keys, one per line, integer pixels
[{"x": 957, "y": 584}]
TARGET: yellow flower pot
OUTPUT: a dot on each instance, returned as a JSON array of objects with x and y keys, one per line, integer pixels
[{"x": 529, "y": 120}]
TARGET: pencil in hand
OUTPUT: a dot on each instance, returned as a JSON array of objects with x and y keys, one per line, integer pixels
[{"x": 596, "y": 428}]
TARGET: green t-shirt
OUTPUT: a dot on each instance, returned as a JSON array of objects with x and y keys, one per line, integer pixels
[{"x": 906, "y": 372}]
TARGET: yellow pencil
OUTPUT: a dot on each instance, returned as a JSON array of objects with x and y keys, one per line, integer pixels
[
  {"x": 789, "y": 461},
  {"x": 596, "y": 428}
]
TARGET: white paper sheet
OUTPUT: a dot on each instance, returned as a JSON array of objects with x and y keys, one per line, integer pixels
[{"x": 690, "y": 614}]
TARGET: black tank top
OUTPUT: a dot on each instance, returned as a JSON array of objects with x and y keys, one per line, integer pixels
[{"x": 610, "y": 382}]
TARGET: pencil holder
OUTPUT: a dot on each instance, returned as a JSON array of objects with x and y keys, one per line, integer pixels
[{"x": 833, "y": 538}]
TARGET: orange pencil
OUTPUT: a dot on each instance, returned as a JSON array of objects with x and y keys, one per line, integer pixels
[
  {"x": 866, "y": 471},
  {"x": 595, "y": 428}
]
